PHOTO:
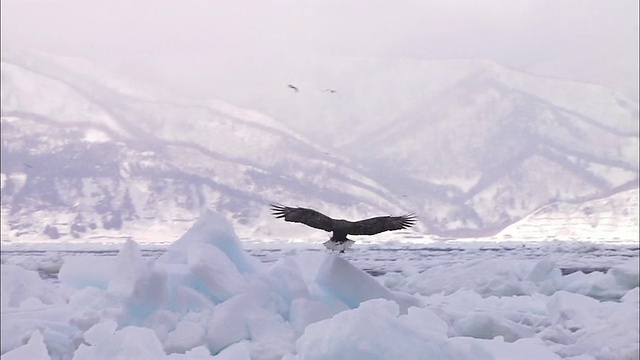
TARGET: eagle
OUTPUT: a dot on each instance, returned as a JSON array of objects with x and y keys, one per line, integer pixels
[{"x": 341, "y": 228}]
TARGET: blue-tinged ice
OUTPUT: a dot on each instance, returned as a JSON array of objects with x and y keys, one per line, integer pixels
[
  {"x": 376, "y": 331},
  {"x": 35, "y": 349},
  {"x": 341, "y": 279},
  {"x": 213, "y": 229},
  {"x": 206, "y": 298}
]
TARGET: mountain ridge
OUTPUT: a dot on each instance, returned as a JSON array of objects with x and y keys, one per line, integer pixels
[
  {"x": 495, "y": 149},
  {"x": 195, "y": 168}
]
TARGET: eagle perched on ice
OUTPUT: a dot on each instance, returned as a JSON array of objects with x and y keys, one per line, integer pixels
[{"x": 339, "y": 227}]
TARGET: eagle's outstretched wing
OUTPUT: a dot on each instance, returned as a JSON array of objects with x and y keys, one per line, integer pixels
[
  {"x": 305, "y": 216},
  {"x": 379, "y": 224}
]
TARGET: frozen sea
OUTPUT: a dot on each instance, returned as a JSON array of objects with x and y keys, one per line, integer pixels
[
  {"x": 402, "y": 257},
  {"x": 210, "y": 295}
]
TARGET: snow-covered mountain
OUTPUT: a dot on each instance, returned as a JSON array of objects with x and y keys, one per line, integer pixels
[
  {"x": 81, "y": 159},
  {"x": 614, "y": 218},
  {"x": 496, "y": 152},
  {"x": 468, "y": 146}
]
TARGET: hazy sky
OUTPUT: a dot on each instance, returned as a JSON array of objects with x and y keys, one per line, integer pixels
[{"x": 538, "y": 35}]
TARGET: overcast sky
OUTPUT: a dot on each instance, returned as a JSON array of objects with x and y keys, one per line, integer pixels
[{"x": 537, "y": 35}]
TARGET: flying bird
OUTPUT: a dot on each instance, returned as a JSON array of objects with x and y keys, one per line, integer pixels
[
  {"x": 341, "y": 228},
  {"x": 293, "y": 87},
  {"x": 330, "y": 90}
]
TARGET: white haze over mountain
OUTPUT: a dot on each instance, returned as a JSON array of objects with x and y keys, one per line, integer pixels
[
  {"x": 469, "y": 145},
  {"x": 180, "y": 44}
]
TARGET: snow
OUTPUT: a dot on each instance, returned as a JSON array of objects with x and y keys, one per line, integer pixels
[
  {"x": 50, "y": 92},
  {"x": 96, "y": 136},
  {"x": 34, "y": 349},
  {"x": 207, "y": 297}
]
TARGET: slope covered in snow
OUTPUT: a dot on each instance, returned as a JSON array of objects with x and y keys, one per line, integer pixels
[
  {"x": 609, "y": 219},
  {"x": 514, "y": 152},
  {"x": 90, "y": 161},
  {"x": 469, "y": 146}
]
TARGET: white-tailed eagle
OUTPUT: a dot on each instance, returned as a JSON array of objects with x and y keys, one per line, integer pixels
[{"x": 341, "y": 228}]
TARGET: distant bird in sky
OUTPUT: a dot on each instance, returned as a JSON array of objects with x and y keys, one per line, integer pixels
[
  {"x": 27, "y": 165},
  {"x": 341, "y": 228},
  {"x": 293, "y": 87},
  {"x": 330, "y": 90}
]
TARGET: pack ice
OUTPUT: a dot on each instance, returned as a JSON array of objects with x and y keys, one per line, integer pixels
[{"x": 206, "y": 298}]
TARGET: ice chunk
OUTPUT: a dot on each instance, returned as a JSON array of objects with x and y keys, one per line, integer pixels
[
  {"x": 496, "y": 278},
  {"x": 632, "y": 296},
  {"x": 215, "y": 230},
  {"x": 271, "y": 337},
  {"x": 19, "y": 284},
  {"x": 100, "y": 331},
  {"x": 91, "y": 306},
  {"x": 187, "y": 335},
  {"x": 569, "y": 307},
  {"x": 200, "y": 353},
  {"x": 286, "y": 278},
  {"x": 374, "y": 331},
  {"x": 129, "y": 343},
  {"x": 228, "y": 323},
  {"x": 237, "y": 351},
  {"x": 627, "y": 275},
  {"x": 213, "y": 272},
  {"x": 185, "y": 295},
  {"x": 35, "y": 349},
  {"x": 483, "y": 325},
  {"x": 129, "y": 267},
  {"x": 250, "y": 316},
  {"x": 341, "y": 279},
  {"x": 498, "y": 349},
  {"x": 421, "y": 319},
  {"x": 581, "y": 320},
  {"x": 134, "y": 280},
  {"x": 30, "y": 304},
  {"x": 305, "y": 311},
  {"x": 18, "y": 326},
  {"x": 543, "y": 270},
  {"x": 79, "y": 272}
]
